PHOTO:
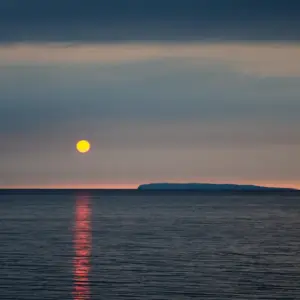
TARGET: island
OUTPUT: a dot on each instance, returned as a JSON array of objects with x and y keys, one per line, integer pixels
[{"x": 208, "y": 187}]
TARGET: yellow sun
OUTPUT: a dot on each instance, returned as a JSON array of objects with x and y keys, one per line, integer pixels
[{"x": 83, "y": 146}]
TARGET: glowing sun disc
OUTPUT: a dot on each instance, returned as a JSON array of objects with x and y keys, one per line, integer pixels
[{"x": 83, "y": 146}]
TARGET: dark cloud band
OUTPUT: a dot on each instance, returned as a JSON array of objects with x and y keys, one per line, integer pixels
[{"x": 116, "y": 20}]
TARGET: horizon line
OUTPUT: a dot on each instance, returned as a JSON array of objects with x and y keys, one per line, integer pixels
[{"x": 131, "y": 186}]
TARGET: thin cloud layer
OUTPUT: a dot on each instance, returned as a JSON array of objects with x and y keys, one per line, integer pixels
[
  {"x": 258, "y": 59},
  {"x": 43, "y": 98},
  {"x": 121, "y": 20}
]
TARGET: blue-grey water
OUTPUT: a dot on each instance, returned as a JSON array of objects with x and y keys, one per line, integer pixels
[{"x": 139, "y": 246}]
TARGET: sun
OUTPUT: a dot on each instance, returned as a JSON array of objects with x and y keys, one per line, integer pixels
[{"x": 83, "y": 146}]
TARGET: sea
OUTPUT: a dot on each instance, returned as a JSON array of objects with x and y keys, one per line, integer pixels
[{"x": 117, "y": 245}]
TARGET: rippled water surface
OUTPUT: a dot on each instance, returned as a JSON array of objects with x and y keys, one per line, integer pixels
[{"x": 162, "y": 246}]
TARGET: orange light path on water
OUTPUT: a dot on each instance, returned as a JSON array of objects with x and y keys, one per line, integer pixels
[{"x": 82, "y": 247}]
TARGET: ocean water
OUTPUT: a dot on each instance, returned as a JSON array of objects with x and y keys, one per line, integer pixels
[{"x": 141, "y": 246}]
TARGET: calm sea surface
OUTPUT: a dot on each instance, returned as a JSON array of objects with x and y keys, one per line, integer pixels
[{"x": 162, "y": 246}]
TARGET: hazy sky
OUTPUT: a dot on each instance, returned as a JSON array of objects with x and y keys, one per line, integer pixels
[{"x": 205, "y": 91}]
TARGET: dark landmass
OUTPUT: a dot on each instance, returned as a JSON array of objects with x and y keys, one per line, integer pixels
[{"x": 209, "y": 187}]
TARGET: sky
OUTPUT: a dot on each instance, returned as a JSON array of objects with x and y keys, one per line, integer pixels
[{"x": 165, "y": 91}]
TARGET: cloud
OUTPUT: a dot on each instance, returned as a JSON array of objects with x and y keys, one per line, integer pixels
[
  {"x": 82, "y": 97},
  {"x": 264, "y": 59},
  {"x": 119, "y": 20}
]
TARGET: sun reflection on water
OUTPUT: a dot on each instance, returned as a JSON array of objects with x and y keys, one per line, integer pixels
[{"x": 82, "y": 247}]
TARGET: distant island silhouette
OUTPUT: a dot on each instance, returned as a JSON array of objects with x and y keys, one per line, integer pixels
[{"x": 207, "y": 187}]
